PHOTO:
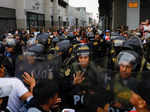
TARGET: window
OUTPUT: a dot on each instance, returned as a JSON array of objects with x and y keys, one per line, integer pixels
[
  {"x": 35, "y": 20},
  {"x": 52, "y": 21}
]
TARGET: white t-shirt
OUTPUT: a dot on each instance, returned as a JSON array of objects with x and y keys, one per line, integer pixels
[
  {"x": 6, "y": 86},
  {"x": 68, "y": 110},
  {"x": 18, "y": 89},
  {"x": 146, "y": 28},
  {"x": 35, "y": 110}
]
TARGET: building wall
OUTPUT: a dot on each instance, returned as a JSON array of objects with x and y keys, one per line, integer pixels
[
  {"x": 51, "y": 11},
  {"x": 144, "y": 10},
  {"x": 119, "y": 12},
  {"x": 7, "y": 19},
  {"x": 89, "y": 19},
  {"x": 8, "y": 3},
  {"x": 73, "y": 14},
  {"x": 83, "y": 17},
  {"x": 48, "y": 13},
  {"x": 7, "y": 15},
  {"x": 20, "y": 14},
  {"x": 30, "y": 5},
  {"x": 78, "y": 16}
]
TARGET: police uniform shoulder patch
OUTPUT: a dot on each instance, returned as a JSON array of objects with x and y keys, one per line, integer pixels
[
  {"x": 112, "y": 51},
  {"x": 84, "y": 48},
  {"x": 148, "y": 66},
  {"x": 20, "y": 57},
  {"x": 49, "y": 41},
  {"x": 114, "y": 60},
  {"x": 95, "y": 43},
  {"x": 124, "y": 95},
  {"x": 70, "y": 50},
  {"x": 101, "y": 40},
  {"x": 50, "y": 57},
  {"x": 75, "y": 45},
  {"x": 57, "y": 48},
  {"x": 67, "y": 72}
]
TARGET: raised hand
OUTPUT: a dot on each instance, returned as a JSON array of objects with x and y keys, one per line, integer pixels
[{"x": 78, "y": 78}]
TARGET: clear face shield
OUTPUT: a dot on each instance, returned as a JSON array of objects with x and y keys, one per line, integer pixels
[
  {"x": 125, "y": 58},
  {"x": 83, "y": 58},
  {"x": 127, "y": 63},
  {"x": 29, "y": 57}
]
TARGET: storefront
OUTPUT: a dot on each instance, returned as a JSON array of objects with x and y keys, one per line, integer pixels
[
  {"x": 7, "y": 19},
  {"x": 35, "y": 20}
]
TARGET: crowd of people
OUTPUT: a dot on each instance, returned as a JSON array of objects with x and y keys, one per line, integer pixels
[{"x": 75, "y": 70}]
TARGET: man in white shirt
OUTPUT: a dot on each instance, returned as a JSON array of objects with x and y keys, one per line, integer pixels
[
  {"x": 147, "y": 25},
  {"x": 16, "y": 90}
]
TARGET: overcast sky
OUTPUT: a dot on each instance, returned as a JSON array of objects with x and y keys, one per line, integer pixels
[{"x": 91, "y": 5}]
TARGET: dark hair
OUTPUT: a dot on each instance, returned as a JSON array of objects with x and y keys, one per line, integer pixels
[
  {"x": 148, "y": 106},
  {"x": 44, "y": 90}
]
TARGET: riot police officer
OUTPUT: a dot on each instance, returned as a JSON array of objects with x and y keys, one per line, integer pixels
[
  {"x": 124, "y": 81},
  {"x": 10, "y": 56},
  {"x": 81, "y": 78},
  {"x": 44, "y": 39},
  {"x": 34, "y": 61},
  {"x": 117, "y": 44},
  {"x": 135, "y": 44}
]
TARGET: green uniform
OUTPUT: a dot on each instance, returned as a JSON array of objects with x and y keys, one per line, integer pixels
[
  {"x": 122, "y": 89},
  {"x": 93, "y": 80},
  {"x": 92, "y": 76}
]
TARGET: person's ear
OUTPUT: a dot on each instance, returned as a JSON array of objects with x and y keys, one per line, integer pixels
[
  {"x": 99, "y": 109},
  {"x": 142, "y": 104},
  {"x": 1, "y": 101},
  {"x": 106, "y": 108}
]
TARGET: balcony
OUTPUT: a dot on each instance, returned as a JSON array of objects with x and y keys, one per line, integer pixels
[
  {"x": 105, "y": 6},
  {"x": 62, "y": 3}
]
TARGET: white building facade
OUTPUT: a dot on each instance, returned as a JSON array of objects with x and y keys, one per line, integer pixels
[{"x": 25, "y": 14}]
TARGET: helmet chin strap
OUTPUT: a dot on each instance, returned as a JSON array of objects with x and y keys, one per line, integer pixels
[{"x": 82, "y": 64}]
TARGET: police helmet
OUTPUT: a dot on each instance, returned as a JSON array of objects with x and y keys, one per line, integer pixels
[
  {"x": 63, "y": 45},
  {"x": 35, "y": 50},
  {"x": 43, "y": 38},
  {"x": 10, "y": 42},
  {"x": 114, "y": 35},
  {"x": 83, "y": 49},
  {"x": 135, "y": 44},
  {"x": 118, "y": 41},
  {"x": 70, "y": 35},
  {"x": 55, "y": 39},
  {"x": 128, "y": 57}
]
